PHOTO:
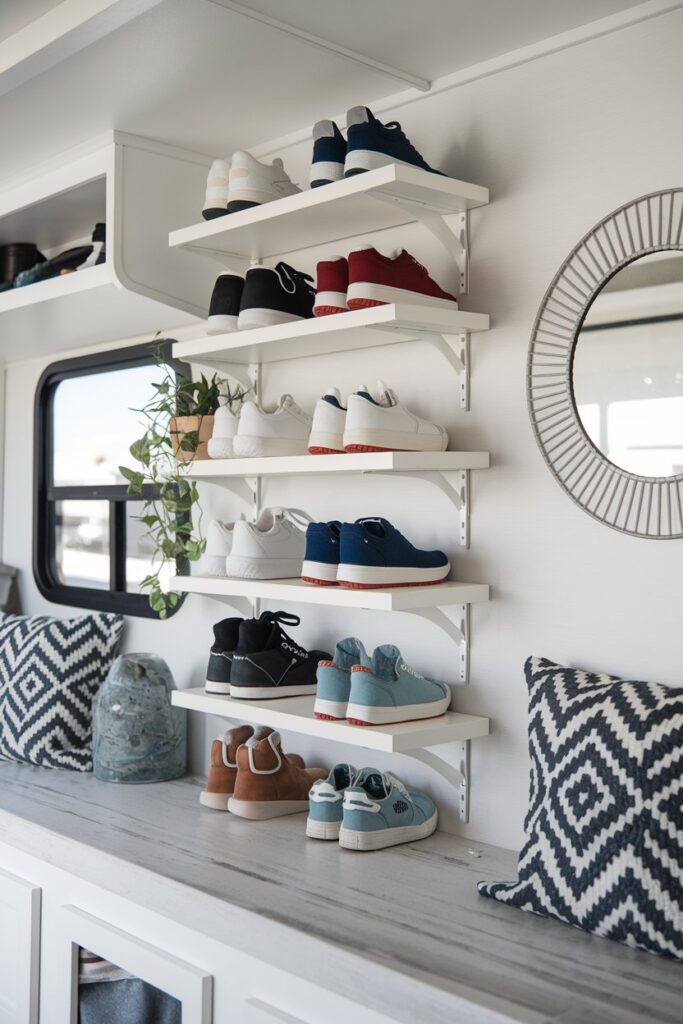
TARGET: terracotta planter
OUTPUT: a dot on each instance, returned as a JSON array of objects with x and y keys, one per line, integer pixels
[{"x": 181, "y": 425}]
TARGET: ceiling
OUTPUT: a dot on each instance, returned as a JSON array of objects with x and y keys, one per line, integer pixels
[
  {"x": 16, "y": 14},
  {"x": 195, "y": 74}
]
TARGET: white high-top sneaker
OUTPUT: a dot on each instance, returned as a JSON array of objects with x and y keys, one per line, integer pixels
[
  {"x": 216, "y": 198},
  {"x": 272, "y": 548},
  {"x": 282, "y": 430},
  {"x": 253, "y": 183},
  {"x": 225, "y": 423},
  {"x": 218, "y": 546},
  {"x": 383, "y": 424}
]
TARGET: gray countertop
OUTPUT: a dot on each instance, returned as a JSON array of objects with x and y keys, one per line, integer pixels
[{"x": 410, "y": 916}]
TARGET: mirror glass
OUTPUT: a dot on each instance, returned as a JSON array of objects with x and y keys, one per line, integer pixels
[{"x": 628, "y": 367}]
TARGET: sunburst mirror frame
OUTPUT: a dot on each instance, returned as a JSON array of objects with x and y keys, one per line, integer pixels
[{"x": 642, "y": 506}]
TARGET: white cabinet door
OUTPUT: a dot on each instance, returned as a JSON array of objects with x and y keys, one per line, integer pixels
[
  {"x": 19, "y": 950},
  {"x": 190, "y": 985}
]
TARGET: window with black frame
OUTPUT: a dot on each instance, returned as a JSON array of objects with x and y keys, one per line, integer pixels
[{"x": 89, "y": 549}]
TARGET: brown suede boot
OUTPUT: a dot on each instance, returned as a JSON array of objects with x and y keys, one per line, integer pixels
[
  {"x": 269, "y": 783},
  {"x": 223, "y": 770}
]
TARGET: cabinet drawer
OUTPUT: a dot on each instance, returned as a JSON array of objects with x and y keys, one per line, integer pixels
[{"x": 19, "y": 950}]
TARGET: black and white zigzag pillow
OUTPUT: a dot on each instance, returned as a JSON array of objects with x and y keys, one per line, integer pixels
[
  {"x": 604, "y": 847},
  {"x": 50, "y": 670}
]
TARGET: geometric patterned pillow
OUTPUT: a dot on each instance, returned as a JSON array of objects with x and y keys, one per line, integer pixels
[
  {"x": 604, "y": 829},
  {"x": 50, "y": 670}
]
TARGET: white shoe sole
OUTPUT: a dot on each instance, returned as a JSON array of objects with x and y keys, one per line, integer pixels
[
  {"x": 220, "y": 447},
  {"x": 216, "y": 801},
  {"x": 223, "y": 689},
  {"x": 331, "y": 442},
  {"x": 258, "y": 316},
  {"x": 335, "y": 299},
  {"x": 321, "y": 571},
  {"x": 262, "y": 568},
  {"x": 330, "y": 708},
  {"x": 380, "y": 839},
  {"x": 400, "y": 713},
  {"x": 326, "y": 170},
  {"x": 258, "y": 196},
  {"x": 251, "y": 447},
  {"x": 328, "y": 830},
  {"x": 366, "y": 291},
  {"x": 270, "y": 692},
  {"x": 221, "y": 324},
  {"x": 382, "y": 576},
  {"x": 370, "y": 160},
  {"x": 261, "y": 810},
  {"x": 395, "y": 440},
  {"x": 213, "y": 565}
]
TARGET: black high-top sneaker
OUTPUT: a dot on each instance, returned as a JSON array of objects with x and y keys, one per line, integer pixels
[
  {"x": 275, "y": 296},
  {"x": 268, "y": 663},
  {"x": 226, "y": 636},
  {"x": 224, "y": 308}
]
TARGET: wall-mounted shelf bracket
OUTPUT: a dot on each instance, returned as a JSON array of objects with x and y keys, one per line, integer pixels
[
  {"x": 455, "y": 348},
  {"x": 452, "y": 762},
  {"x": 456, "y": 487},
  {"x": 458, "y": 631}
]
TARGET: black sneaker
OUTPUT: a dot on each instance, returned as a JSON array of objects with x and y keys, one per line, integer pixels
[
  {"x": 226, "y": 636},
  {"x": 224, "y": 308},
  {"x": 268, "y": 663},
  {"x": 275, "y": 296}
]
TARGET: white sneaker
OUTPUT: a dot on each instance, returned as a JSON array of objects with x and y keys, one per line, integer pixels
[
  {"x": 253, "y": 183},
  {"x": 329, "y": 421},
  {"x": 217, "y": 182},
  {"x": 383, "y": 424},
  {"x": 225, "y": 423},
  {"x": 272, "y": 548},
  {"x": 219, "y": 537},
  {"x": 282, "y": 430}
]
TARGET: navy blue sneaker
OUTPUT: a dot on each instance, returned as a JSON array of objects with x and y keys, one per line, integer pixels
[
  {"x": 329, "y": 154},
  {"x": 322, "y": 553},
  {"x": 372, "y": 144},
  {"x": 373, "y": 553}
]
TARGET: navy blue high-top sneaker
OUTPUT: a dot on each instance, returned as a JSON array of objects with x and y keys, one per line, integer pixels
[
  {"x": 329, "y": 153},
  {"x": 372, "y": 144}
]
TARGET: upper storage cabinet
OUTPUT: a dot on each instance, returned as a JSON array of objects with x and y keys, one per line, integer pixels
[{"x": 139, "y": 190}]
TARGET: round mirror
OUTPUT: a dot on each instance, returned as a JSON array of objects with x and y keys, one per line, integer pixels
[{"x": 628, "y": 367}]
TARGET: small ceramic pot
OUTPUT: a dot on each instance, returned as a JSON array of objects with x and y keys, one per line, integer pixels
[{"x": 181, "y": 425}]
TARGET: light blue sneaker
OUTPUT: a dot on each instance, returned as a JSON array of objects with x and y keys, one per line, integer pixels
[
  {"x": 334, "y": 679},
  {"x": 325, "y": 802},
  {"x": 378, "y": 811},
  {"x": 386, "y": 690}
]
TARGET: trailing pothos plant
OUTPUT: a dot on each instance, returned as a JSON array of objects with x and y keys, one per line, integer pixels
[{"x": 171, "y": 510}]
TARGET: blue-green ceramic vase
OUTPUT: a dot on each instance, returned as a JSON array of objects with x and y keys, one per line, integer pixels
[{"x": 137, "y": 735}]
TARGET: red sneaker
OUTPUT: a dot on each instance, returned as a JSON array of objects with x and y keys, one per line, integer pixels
[
  {"x": 375, "y": 280},
  {"x": 332, "y": 281}
]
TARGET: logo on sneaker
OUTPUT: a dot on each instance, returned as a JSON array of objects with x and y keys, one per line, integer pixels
[
  {"x": 400, "y": 806},
  {"x": 410, "y": 671},
  {"x": 292, "y": 649}
]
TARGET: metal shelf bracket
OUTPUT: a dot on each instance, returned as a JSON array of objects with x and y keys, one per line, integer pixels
[
  {"x": 455, "y": 348},
  {"x": 458, "y": 631},
  {"x": 452, "y": 762},
  {"x": 455, "y": 485}
]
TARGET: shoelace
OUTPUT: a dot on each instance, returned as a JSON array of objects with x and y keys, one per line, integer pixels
[
  {"x": 285, "y": 618},
  {"x": 296, "y": 516},
  {"x": 294, "y": 277}
]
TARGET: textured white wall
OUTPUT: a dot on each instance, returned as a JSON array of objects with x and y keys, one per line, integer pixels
[{"x": 560, "y": 141}]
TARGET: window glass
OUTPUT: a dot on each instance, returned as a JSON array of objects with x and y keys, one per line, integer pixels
[
  {"x": 82, "y": 543},
  {"x": 94, "y": 424}
]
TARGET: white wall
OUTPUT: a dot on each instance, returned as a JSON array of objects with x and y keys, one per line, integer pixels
[{"x": 560, "y": 141}]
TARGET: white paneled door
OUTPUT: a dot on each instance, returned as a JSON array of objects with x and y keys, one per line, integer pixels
[{"x": 19, "y": 950}]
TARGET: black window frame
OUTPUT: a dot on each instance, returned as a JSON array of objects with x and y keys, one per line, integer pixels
[{"x": 46, "y": 494}]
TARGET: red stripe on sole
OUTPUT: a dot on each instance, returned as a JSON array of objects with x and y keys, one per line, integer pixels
[
  {"x": 370, "y": 448},
  {"x": 315, "y": 450},
  {"x": 319, "y": 583},
  {"x": 327, "y": 718},
  {"x": 365, "y": 303},
  {"x": 357, "y": 721},
  {"x": 328, "y": 310}
]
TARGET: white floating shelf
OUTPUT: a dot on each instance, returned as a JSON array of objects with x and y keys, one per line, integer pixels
[
  {"x": 296, "y": 715},
  {"x": 386, "y": 197},
  {"x": 341, "y": 332},
  {"x": 361, "y": 462},
  {"x": 386, "y": 600}
]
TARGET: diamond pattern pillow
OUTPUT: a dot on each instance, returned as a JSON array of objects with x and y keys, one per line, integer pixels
[
  {"x": 604, "y": 846},
  {"x": 50, "y": 670}
]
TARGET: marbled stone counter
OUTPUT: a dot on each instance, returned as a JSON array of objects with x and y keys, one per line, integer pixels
[{"x": 403, "y": 928}]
